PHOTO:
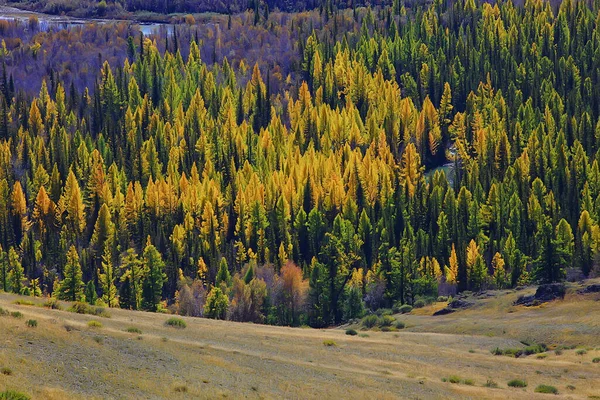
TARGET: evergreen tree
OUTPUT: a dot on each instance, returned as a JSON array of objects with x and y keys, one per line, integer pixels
[{"x": 71, "y": 288}]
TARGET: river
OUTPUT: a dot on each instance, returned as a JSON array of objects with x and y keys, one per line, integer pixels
[{"x": 47, "y": 21}]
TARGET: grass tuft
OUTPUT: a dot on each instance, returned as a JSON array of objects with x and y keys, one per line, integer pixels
[
  {"x": 517, "y": 383},
  {"x": 6, "y": 371},
  {"x": 329, "y": 343},
  {"x": 16, "y": 314},
  {"x": 176, "y": 323},
  {"x": 94, "y": 324},
  {"x": 133, "y": 329},
  {"x": 546, "y": 389},
  {"x": 22, "y": 302},
  {"x": 13, "y": 395},
  {"x": 31, "y": 323},
  {"x": 490, "y": 384}
]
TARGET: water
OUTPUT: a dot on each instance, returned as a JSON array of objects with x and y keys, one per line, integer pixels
[{"x": 47, "y": 21}]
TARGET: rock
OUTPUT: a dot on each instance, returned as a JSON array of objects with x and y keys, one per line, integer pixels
[
  {"x": 590, "y": 289},
  {"x": 444, "y": 311},
  {"x": 459, "y": 304},
  {"x": 543, "y": 294}
]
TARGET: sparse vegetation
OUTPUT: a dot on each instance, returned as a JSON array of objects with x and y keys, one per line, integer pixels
[
  {"x": 329, "y": 343},
  {"x": 6, "y": 371},
  {"x": 351, "y": 332},
  {"x": 581, "y": 352},
  {"x": 53, "y": 304},
  {"x": 23, "y": 302},
  {"x": 517, "y": 383},
  {"x": 596, "y": 360},
  {"x": 84, "y": 308},
  {"x": 546, "y": 389},
  {"x": 13, "y": 395},
  {"x": 16, "y": 314},
  {"x": 94, "y": 324},
  {"x": 176, "y": 323},
  {"x": 181, "y": 389},
  {"x": 514, "y": 352},
  {"x": 31, "y": 323},
  {"x": 490, "y": 384},
  {"x": 133, "y": 329}
]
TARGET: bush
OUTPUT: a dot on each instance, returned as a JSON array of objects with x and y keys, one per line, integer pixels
[
  {"x": 132, "y": 329},
  {"x": 176, "y": 323},
  {"x": 469, "y": 382},
  {"x": 53, "y": 304},
  {"x": 6, "y": 371},
  {"x": 84, "y": 308},
  {"x": 518, "y": 383},
  {"x": 400, "y": 325},
  {"x": 454, "y": 379},
  {"x": 351, "y": 332},
  {"x": 442, "y": 299},
  {"x": 405, "y": 309},
  {"x": 99, "y": 339},
  {"x": 16, "y": 314},
  {"x": 370, "y": 321},
  {"x": 420, "y": 303},
  {"x": 581, "y": 352},
  {"x": 329, "y": 343},
  {"x": 546, "y": 389},
  {"x": 31, "y": 323},
  {"x": 596, "y": 360},
  {"x": 387, "y": 320},
  {"x": 3, "y": 312},
  {"x": 94, "y": 324},
  {"x": 558, "y": 352},
  {"x": 12, "y": 395}
]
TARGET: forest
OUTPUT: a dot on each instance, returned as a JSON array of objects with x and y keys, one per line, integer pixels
[{"x": 386, "y": 155}]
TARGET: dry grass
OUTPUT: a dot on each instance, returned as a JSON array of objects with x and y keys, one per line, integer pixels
[{"x": 215, "y": 358}]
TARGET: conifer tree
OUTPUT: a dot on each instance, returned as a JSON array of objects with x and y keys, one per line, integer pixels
[{"x": 71, "y": 288}]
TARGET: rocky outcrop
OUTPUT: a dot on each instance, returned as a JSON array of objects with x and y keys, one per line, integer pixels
[{"x": 543, "y": 294}]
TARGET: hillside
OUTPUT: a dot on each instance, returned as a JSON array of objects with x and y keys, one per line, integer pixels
[{"x": 65, "y": 358}]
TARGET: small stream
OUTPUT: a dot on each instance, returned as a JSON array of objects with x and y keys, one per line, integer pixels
[{"x": 47, "y": 21}]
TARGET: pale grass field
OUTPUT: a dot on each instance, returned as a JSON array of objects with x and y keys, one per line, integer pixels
[{"x": 215, "y": 359}]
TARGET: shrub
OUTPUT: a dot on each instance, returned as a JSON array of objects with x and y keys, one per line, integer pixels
[
  {"x": 490, "y": 384},
  {"x": 351, "y": 332},
  {"x": 518, "y": 383},
  {"x": 454, "y": 379},
  {"x": 387, "y": 320},
  {"x": 99, "y": 339},
  {"x": 384, "y": 311},
  {"x": 442, "y": 299},
  {"x": 84, "y": 308},
  {"x": 400, "y": 325},
  {"x": 16, "y": 314},
  {"x": 12, "y": 395},
  {"x": 405, "y": 309},
  {"x": 581, "y": 352},
  {"x": 596, "y": 360},
  {"x": 370, "y": 321},
  {"x": 558, "y": 352},
  {"x": 53, "y": 304},
  {"x": 132, "y": 329},
  {"x": 546, "y": 389},
  {"x": 31, "y": 323},
  {"x": 22, "y": 302},
  {"x": 94, "y": 324},
  {"x": 541, "y": 356},
  {"x": 469, "y": 382},
  {"x": 3, "y": 312},
  {"x": 6, "y": 371},
  {"x": 329, "y": 343},
  {"x": 176, "y": 323},
  {"x": 420, "y": 303}
]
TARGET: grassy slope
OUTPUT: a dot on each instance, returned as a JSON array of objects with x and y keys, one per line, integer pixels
[{"x": 214, "y": 358}]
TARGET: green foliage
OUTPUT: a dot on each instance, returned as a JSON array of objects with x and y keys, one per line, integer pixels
[
  {"x": 16, "y": 314},
  {"x": 71, "y": 288},
  {"x": 176, "y": 323},
  {"x": 546, "y": 389},
  {"x": 216, "y": 304},
  {"x": 13, "y": 395},
  {"x": 6, "y": 371},
  {"x": 31, "y": 323},
  {"x": 135, "y": 330},
  {"x": 84, "y": 308},
  {"x": 329, "y": 343},
  {"x": 596, "y": 360},
  {"x": 351, "y": 332},
  {"x": 517, "y": 383}
]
